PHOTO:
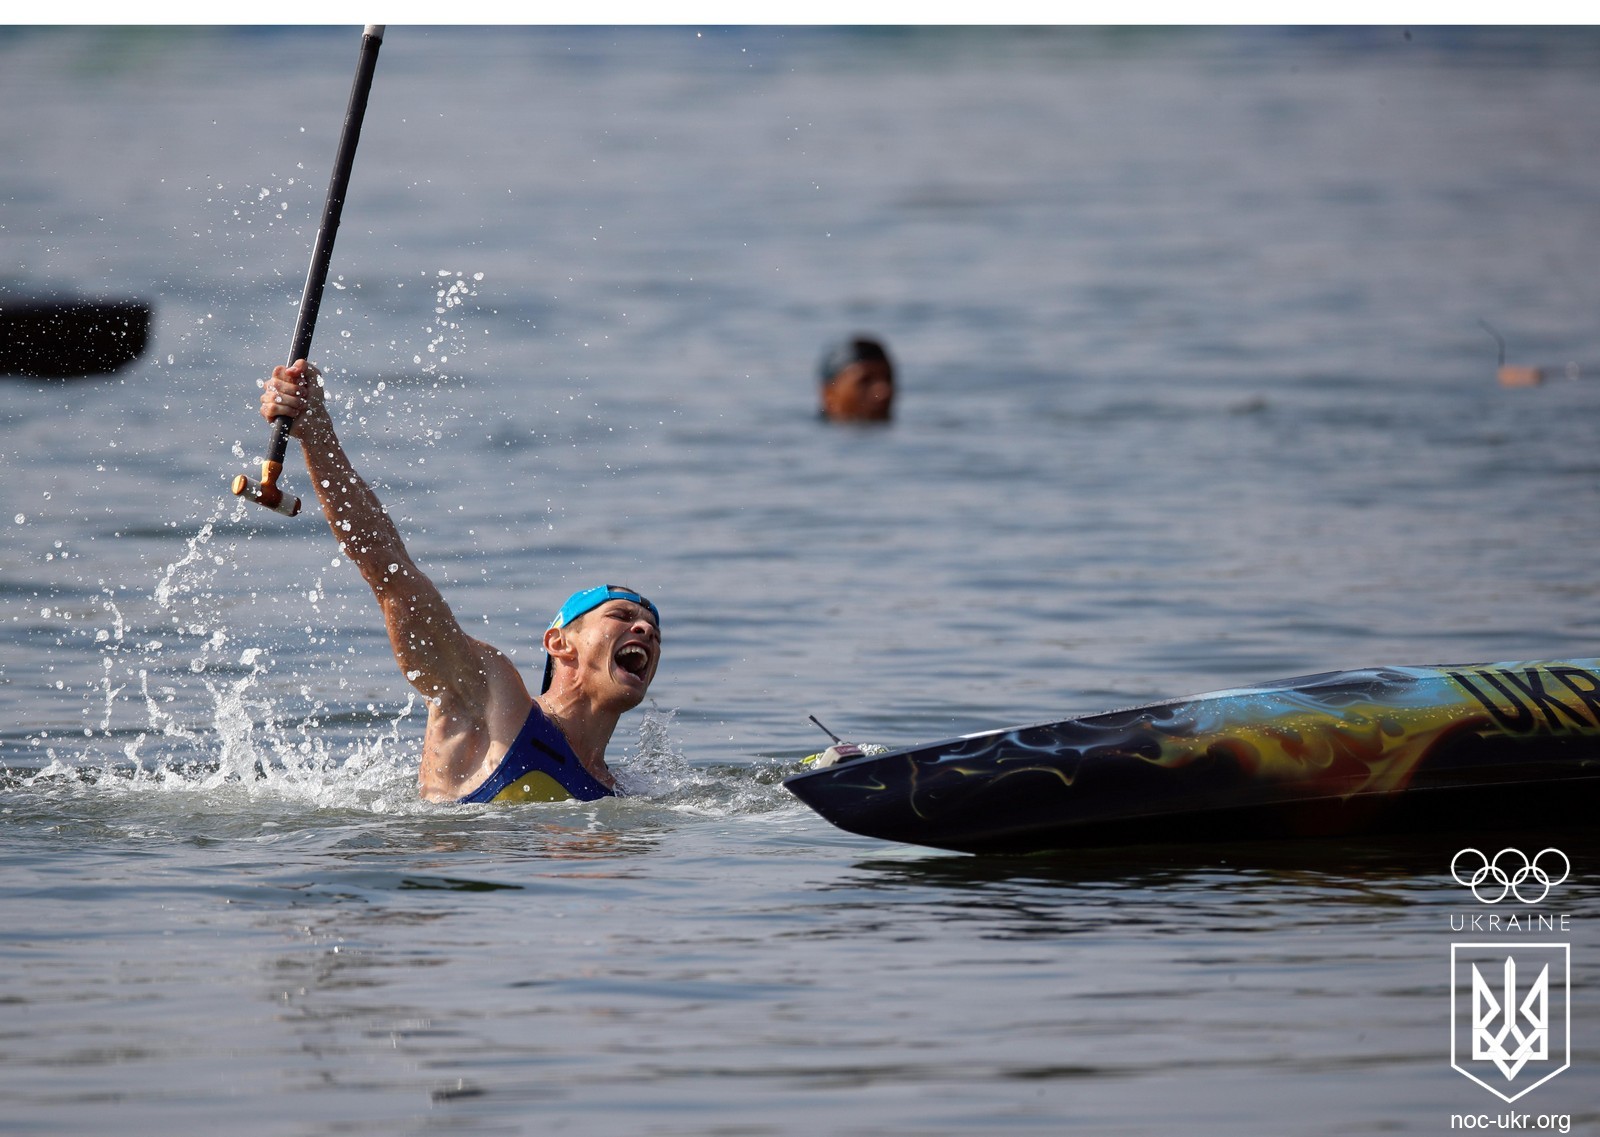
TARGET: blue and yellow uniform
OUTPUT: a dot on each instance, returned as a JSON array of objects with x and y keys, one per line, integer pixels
[{"x": 540, "y": 766}]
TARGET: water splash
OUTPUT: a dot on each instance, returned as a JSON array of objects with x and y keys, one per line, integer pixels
[
  {"x": 452, "y": 291},
  {"x": 184, "y": 707},
  {"x": 180, "y": 705},
  {"x": 658, "y": 770}
]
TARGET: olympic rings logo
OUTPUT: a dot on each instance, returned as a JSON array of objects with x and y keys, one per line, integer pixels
[{"x": 1491, "y": 876}]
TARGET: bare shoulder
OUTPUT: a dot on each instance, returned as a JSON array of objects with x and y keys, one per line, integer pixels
[
  {"x": 507, "y": 696},
  {"x": 472, "y": 725},
  {"x": 496, "y": 698}
]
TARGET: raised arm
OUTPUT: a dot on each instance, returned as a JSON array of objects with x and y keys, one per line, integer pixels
[{"x": 435, "y": 654}]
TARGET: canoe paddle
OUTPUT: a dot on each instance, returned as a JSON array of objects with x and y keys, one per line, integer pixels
[{"x": 266, "y": 491}]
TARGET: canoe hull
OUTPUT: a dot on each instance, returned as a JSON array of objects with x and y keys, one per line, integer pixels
[{"x": 1387, "y": 749}]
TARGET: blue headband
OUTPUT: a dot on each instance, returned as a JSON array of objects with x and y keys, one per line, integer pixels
[{"x": 587, "y": 600}]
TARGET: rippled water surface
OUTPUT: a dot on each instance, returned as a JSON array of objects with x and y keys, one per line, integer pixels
[{"x": 1195, "y": 390}]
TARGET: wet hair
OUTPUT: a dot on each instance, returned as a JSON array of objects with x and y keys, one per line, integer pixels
[{"x": 856, "y": 349}]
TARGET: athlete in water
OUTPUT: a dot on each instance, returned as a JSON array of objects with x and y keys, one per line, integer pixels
[
  {"x": 857, "y": 381},
  {"x": 487, "y": 738}
]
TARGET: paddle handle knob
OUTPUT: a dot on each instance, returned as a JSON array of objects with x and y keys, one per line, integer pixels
[{"x": 266, "y": 491}]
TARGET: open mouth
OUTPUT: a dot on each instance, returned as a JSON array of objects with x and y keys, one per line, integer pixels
[{"x": 633, "y": 659}]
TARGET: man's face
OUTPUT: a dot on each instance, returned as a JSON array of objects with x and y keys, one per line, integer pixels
[
  {"x": 619, "y": 647},
  {"x": 859, "y": 392}
]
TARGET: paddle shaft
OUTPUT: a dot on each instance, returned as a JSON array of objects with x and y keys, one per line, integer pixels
[{"x": 321, "y": 255}]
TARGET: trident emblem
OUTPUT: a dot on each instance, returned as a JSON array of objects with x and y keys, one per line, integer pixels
[{"x": 1523, "y": 1031}]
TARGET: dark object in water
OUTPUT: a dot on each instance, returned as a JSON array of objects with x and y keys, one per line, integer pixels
[
  {"x": 1379, "y": 750},
  {"x": 66, "y": 338}
]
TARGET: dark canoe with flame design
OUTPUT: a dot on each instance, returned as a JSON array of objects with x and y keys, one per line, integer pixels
[{"x": 1387, "y": 749}]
